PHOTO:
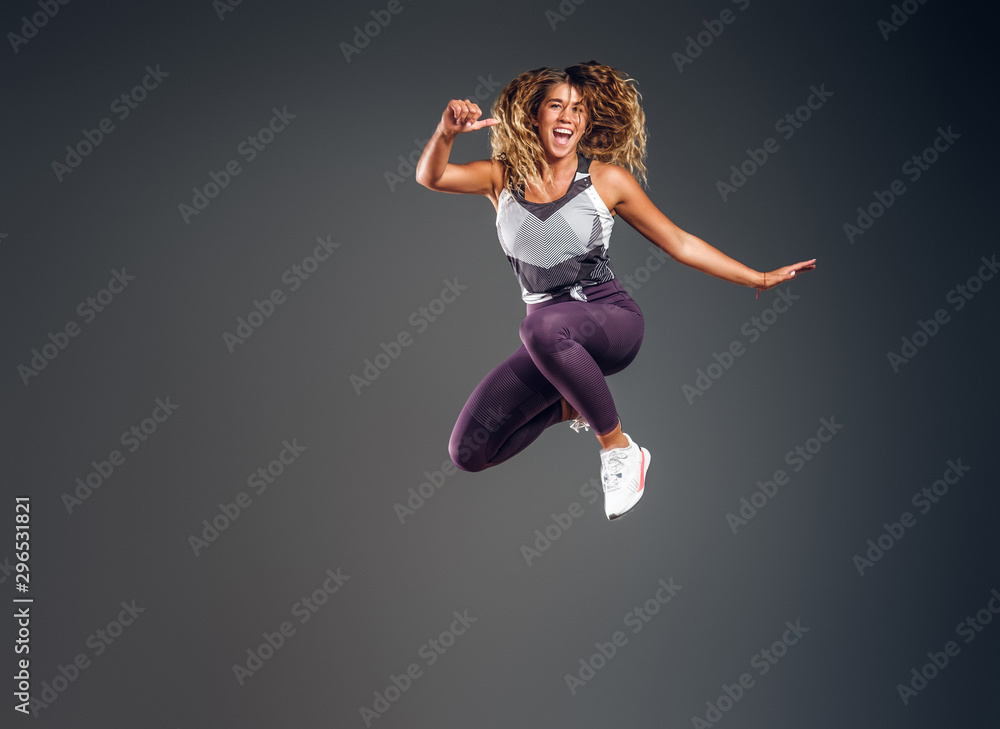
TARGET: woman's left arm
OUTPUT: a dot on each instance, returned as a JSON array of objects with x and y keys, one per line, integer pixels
[{"x": 635, "y": 208}]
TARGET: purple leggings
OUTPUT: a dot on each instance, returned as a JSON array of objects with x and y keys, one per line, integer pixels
[{"x": 568, "y": 346}]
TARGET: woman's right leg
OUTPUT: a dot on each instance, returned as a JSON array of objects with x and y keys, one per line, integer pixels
[{"x": 506, "y": 412}]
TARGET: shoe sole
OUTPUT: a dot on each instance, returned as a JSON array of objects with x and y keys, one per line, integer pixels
[{"x": 646, "y": 458}]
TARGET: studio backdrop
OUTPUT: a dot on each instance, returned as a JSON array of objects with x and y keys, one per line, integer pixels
[{"x": 238, "y": 334}]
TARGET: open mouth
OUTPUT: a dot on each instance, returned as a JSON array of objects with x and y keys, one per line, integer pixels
[{"x": 562, "y": 138}]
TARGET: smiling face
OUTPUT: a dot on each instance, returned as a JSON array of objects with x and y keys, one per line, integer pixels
[{"x": 562, "y": 111}]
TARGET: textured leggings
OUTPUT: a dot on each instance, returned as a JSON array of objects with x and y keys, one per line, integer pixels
[{"x": 568, "y": 346}]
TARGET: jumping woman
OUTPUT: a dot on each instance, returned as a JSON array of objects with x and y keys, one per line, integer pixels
[{"x": 556, "y": 179}]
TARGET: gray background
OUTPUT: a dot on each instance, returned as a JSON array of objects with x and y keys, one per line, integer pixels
[{"x": 334, "y": 507}]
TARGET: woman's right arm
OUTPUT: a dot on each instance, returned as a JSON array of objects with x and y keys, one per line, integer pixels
[{"x": 435, "y": 172}]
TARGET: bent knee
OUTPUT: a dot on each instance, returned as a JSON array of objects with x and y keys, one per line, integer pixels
[
  {"x": 465, "y": 459},
  {"x": 473, "y": 466}
]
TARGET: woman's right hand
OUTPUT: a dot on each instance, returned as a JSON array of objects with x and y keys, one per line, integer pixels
[{"x": 462, "y": 116}]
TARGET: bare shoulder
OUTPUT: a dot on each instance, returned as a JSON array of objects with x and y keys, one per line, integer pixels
[{"x": 612, "y": 182}]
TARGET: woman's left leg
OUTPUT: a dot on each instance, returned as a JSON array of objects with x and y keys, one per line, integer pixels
[
  {"x": 505, "y": 413},
  {"x": 575, "y": 344}
]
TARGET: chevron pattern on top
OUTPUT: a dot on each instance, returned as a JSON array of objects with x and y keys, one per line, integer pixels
[{"x": 553, "y": 245}]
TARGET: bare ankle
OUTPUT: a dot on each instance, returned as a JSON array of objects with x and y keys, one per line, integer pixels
[
  {"x": 568, "y": 411},
  {"x": 614, "y": 439},
  {"x": 612, "y": 446}
]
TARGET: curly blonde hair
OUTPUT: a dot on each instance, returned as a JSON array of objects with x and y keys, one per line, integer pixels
[{"x": 616, "y": 125}]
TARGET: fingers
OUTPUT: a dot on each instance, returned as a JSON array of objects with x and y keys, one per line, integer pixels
[
  {"x": 790, "y": 271},
  {"x": 787, "y": 273},
  {"x": 801, "y": 266},
  {"x": 464, "y": 114}
]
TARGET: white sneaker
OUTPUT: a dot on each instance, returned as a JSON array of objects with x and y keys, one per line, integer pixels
[{"x": 623, "y": 474}]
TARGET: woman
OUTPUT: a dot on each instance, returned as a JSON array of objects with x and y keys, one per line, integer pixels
[{"x": 556, "y": 182}]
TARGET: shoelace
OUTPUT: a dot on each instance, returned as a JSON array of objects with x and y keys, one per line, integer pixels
[
  {"x": 613, "y": 467},
  {"x": 578, "y": 423}
]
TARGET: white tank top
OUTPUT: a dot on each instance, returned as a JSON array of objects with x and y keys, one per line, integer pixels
[{"x": 557, "y": 246}]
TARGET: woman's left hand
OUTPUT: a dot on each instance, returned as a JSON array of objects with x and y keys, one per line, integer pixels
[{"x": 787, "y": 273}]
